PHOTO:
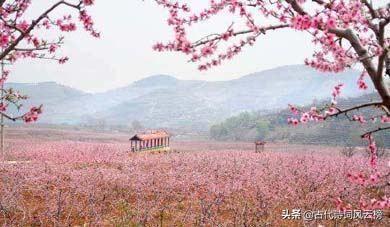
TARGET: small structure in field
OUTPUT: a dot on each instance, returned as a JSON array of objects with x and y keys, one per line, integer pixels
[
  {"x": 259, "y": 146},
  {"x": 154, "y": 140}
]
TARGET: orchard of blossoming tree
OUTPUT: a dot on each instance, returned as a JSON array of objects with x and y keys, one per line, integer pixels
[{"x": 205, "y": 184}]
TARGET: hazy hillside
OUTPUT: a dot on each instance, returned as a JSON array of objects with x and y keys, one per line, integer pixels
[
  {"x": 46, "y": 92},
  {"x": 50, "y": 94},
  {"x": 250, "y": 126},
  {"x": 164, "y": 101}
]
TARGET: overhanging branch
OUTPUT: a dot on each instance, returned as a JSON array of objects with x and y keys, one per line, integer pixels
[
  {"x": 370, "y": 8},
  {"x": 340, "y": 112},
  {"x": 264, "y": 29},
  {"x": 375, "y": 131},
  {"x": 11, "y": 118}
]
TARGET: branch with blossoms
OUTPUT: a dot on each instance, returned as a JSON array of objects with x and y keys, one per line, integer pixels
[
  {"x": 347, "y": 32},
  {"x": 22, "y": 38},
  {"x": 332, "y": 111}
]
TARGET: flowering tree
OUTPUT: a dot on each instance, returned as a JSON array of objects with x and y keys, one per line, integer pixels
[
  {"x": 22, "y": 37},
  {"x": 345, "y": 32}
]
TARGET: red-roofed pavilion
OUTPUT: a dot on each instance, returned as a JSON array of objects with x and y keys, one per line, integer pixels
[{"x": 149, "y": 141}]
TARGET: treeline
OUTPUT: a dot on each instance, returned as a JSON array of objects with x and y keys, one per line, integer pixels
[{"x": 250, "y": 126}]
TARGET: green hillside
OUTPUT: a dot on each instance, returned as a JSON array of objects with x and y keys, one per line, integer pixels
[{"x": 249, "y": 126}]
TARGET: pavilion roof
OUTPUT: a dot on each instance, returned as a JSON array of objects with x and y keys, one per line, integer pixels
[{"x": 152, "y": 135}]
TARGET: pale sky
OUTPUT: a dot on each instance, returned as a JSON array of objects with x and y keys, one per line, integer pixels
[{"x": 124, "y": 52}]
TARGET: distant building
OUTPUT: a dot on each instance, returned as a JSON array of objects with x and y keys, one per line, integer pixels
[
  {"x": 149, "y": 141},
  {"x": 259, "y": 146}
]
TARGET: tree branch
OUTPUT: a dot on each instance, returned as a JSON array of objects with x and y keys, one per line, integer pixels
[
  {"x": 296, "y": 6},
  {"x": 378, "y": 104},
  {"x": 381, "y": 40},
  {"x": 370, "y": 8},
  {"x": 17, "y": 118},
  {"x": 375, "y": 131},
  {"x": 11, "y": 118},
  {"x": 272, "y": 27},
  {"x": 320, "y": 2}
]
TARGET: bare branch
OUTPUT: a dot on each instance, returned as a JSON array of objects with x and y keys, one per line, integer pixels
[
  {"x": 272, "y": 27},
  {"x": 319, "y": 2},
  {"x": 296, "y": 6},
  {"x": 11, "y": 118},
  {"x": 381, "y": 40},
  {"x": 31, "y": 49},
  {"x": 370, "y": 8},
  {"x": 346, "y": 111},
  {"x": 375, "y": 131}
]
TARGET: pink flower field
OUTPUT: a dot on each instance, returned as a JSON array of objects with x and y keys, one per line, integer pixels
[{"x": 199, "y": 184}]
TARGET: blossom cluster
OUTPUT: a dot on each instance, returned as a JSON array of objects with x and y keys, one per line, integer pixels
[{"x": 315, "y": 114}]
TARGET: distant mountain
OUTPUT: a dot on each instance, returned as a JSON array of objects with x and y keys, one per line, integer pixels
[
  {"x": 50, "y": 94},
  {"x": 164, "y": 101},
  {"x": 46, "y": 92}
]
